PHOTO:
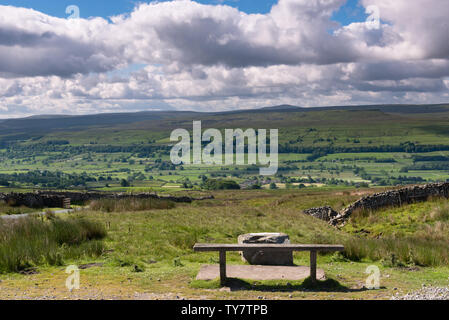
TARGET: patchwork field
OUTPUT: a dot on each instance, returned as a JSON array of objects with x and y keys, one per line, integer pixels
[{"x": 359, "y": 146}]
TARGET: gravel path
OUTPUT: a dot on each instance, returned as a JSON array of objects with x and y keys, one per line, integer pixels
[{"x": 426, "y": 293}]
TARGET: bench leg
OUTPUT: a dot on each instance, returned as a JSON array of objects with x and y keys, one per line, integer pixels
[
  {"x": 313, "y": 265},
  {"x": 222, "y": 268}
]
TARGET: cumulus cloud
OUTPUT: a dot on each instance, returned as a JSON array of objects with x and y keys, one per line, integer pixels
[
  {"x": 215, "y": 57},
  {"x": 422, "y": 25},
  {"x": 34, "y": 44},
  {"x": 294, "y": 32}
]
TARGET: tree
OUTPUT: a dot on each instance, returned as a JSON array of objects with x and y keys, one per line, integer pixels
[
  {"x": 4, "y": 183},
  {"x": 213, "y": 184},
  {"x": 124, "y": 183}
]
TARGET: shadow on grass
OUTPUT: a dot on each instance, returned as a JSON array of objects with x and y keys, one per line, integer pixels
[{"x": 235, "y": 284}]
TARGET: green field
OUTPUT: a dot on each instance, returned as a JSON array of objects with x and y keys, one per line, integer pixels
[{"x": 375, "y": 146}]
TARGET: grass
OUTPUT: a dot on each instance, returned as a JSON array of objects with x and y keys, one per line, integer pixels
[
  {"x": 29, "y": 242},
  {"x": 6, "y": 209},
  {"x": 132, "y": 204},
  {"x": 414, "y": 234},
  {"x": 150, "y": 252},
  {"x": 399, "y": 252}
]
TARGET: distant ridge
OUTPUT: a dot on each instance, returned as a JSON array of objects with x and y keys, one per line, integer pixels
[
  {"x": 45, "y": 123},
  {"x": 145, "y": 115},
  {"x": 282, "y": 107}
]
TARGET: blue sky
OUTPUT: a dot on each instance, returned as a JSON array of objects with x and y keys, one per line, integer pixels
[{"x": 350, "y": 12}]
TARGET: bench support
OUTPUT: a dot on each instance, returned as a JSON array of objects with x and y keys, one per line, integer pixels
[
  {"x": 222, "y": 268},
  {"x": 313, "y": 265}
]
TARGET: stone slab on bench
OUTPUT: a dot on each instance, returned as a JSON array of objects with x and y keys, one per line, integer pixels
[
  {"x": 259, "y": 273},
  {"x": 266, "y": 257}
]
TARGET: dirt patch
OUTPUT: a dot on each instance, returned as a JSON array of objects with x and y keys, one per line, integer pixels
[{"x": 261, "y": 273}]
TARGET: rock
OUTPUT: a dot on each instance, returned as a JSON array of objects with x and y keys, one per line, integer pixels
[
  {"x": 425, "y": 293},
  {"x": 323, "y": 213},
  {"x": 264, "y": 257}
]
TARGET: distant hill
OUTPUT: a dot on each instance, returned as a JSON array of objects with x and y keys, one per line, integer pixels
[
  {"x": 49, "y": 123},
  {"x": 281, "y": 116},
  {"x": 282, "y": 107},
  {"x": 389, "y": 108}
]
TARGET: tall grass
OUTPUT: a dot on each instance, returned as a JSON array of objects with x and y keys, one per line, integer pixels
[
  {"x": 440, "y": 213},
  {"x": 131, "y": 204},
  {"x": 399, "y": 251},
  {"x": 9, "y": 210},
  {"x": 29, "y": 242},
  {"x": 414, "y": 234}
]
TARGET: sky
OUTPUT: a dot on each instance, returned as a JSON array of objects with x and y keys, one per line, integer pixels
[{"x": 218, "y": 55}]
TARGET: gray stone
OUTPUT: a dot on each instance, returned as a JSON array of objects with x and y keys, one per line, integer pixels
[
  {"x": 323, "y": 213},
  {"x": 264, "y": 257}
]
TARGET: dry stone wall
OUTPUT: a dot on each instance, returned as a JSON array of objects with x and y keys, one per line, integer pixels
[
  {"x": 392, "y": 198},
  {"x": 323, "y": 213},
  {"x": 55, "y": 199}
]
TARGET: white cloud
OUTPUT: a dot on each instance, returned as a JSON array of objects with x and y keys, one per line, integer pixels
[{"x": 214, "y": 57}]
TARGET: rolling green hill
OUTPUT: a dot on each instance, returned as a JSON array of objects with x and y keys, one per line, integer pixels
[
  {"x": 349, "y": 145},
  {"x": 386, "y": 123}
]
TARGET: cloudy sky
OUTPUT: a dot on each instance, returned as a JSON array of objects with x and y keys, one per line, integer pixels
[{"x": 215, "y": 55}]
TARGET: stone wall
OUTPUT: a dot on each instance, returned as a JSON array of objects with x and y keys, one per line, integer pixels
[
  {"x": 55, "y": 199},
  {"x": 323, "y": 213},
  {"x": 33, "y": 200},
  {"x": 392, "y": 198}
]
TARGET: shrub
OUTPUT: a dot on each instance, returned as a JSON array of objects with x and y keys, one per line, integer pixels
[
  {"x": 124, "y": 183},
  {"x": 213, "y": 184}
]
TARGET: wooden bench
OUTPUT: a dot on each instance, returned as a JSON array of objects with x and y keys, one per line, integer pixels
[{"x": 223, "y": 248}]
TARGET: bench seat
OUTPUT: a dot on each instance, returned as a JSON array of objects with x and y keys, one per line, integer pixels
[
  {"x": 278, "y": 247},
  {"x": 223, "y": 248}
]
